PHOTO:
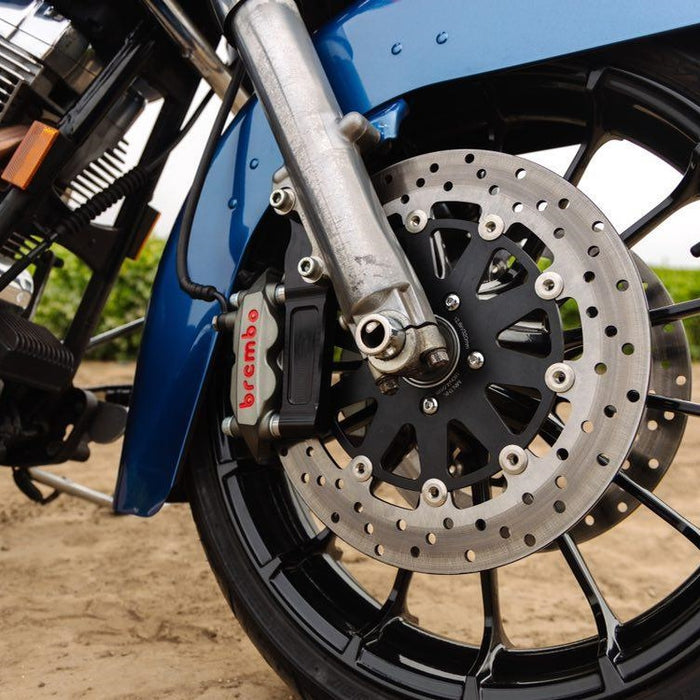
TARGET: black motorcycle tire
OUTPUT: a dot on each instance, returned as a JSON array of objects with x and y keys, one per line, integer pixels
[{"x": 304, "y": 664}]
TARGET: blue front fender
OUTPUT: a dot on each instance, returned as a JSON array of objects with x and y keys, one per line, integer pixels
[{"x": 373, "y": 54}]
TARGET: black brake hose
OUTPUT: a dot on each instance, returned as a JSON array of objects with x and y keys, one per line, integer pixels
[{"x": 192, "y": 289}]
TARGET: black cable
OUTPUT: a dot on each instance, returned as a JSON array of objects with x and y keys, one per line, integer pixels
[{"x": 192, "y": 289}]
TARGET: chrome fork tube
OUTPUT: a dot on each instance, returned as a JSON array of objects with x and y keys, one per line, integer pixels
[{"x": 378, "y": 292}]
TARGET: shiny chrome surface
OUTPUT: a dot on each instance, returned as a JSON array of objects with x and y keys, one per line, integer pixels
[
  {"x": 546, "y": 492},
  {"x": 194, "y": 47},
  {"x": 335, "y": 198},
  {"x": 19, "y": 292}
]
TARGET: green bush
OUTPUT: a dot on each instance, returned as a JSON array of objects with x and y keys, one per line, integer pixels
[
  {"x": 130, "y": 297},
  {"x": 127, "y": 302}
]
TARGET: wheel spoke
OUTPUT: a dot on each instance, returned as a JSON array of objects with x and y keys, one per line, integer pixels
[
  {"x": 606, "y": 622},
  {"x": 433, "y": 452},
  {"x": 687, "y": 190},
  {"x": 295, "y": 557},
  {"x": 674, "y": 312},
  {"x": 596, "y": 134},
  {"x": 359, "y": 419},
  {"x": 513, "y": 304},
  {"x": 353, "y": 388},
  {"x": 393, "y": 609},
  {"x": 494, "y": 639},
  {"x": 516, "y": 369},
  {"x": 666, "y": 403},
  {"x": 657, "y": 506}
]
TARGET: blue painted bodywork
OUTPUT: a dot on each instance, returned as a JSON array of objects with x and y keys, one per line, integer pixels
[{"x": 373, "y": 54}]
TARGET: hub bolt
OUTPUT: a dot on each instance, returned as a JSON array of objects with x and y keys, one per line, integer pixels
[
  {"x": 283, "y": 200},
  {"x": 549, "y": 285},
  {"x": 513, "y": 459},
  {"x": 559, "y": 377},
  {"x": 416, "y": 221},
  {"x": 452, "y": 302},
  {"x": 491, "y": 227},
  {"x": 434, "y": 493},
  {"x": 311, "y": 269},
  {"x": 361, "y": 468},
  {"x": 388, "y": 385},
  {"x": 475, "y": 360},
  {"x": 437, "y": 359},
  {"x": 429, "y": 406}
]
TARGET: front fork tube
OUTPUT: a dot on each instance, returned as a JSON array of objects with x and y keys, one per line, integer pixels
[{"x": 353, "y": 244}]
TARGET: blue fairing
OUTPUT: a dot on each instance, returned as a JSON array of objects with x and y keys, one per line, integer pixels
[{"x": 373, "y": 54}]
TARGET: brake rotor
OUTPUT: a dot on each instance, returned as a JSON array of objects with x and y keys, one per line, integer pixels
[
  {"x": 660, "y": 432},
  {"x": 514, "y": 444}
]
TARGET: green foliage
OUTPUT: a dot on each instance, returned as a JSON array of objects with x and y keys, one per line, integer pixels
[
  {"x": 684, "y": 285},
  {"x": 127, "y": 302}
]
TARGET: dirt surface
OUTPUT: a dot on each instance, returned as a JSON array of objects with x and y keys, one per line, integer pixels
[{"x": 98, "y": 606}]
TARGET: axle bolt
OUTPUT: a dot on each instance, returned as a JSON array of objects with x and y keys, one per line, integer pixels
[
  {"x": 434, "y": 493},
  {"x": 452, "y": 302},
  {"x": 311, "y": 269},
  {"x": 361, "y": 468},
  {"x": 513, "y": 459},
  {"x": 475, "y": 360},
  {"x": 559, "y": 377},
  {"x": 283, "y": 200},
  {"x": 388, "y": 385},
  {"x": 416, "y": 221},
  {"x": 429, "y": 405},
  {"x": 437, "y": 359}
]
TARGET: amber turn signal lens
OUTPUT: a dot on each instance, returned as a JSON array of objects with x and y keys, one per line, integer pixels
[{"x": 29, "y": 155}]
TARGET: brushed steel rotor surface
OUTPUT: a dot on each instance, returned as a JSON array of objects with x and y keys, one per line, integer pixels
[{"x": 592, "y": 423}]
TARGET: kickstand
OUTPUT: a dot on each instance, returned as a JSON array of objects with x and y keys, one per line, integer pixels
[
  {"x": 26, "y": 486},
  {"x": 24, "y": 479}
]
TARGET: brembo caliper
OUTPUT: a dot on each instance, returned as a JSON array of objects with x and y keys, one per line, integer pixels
[{"x": 325, "y": 181}]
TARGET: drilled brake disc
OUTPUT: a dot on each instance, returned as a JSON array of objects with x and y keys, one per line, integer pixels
[{"x": 495, "y": 458}]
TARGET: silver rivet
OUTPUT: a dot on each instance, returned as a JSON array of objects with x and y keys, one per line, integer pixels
[
  {"x": 416, "y": 221},
  {"x": 559, "y": 377},
  {"x": 475, "y": 360},
  {"x": 361, "y": 468},
  {"x": 549, "y": 285},
  {"x": 434, "y": 493},
  {"x": 452, "y": 302},
  {"x": 311, "y": 269},
  {"x": 283, "y": 200},
  {"x": 429, "y": 405},
  {"x": 491, "y": 227},
  {"x": 513, "y": 459}
]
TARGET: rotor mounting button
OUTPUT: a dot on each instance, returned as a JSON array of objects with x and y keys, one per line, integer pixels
[
  {"x": 513, "y": 459},
  {"x": 475, "y": 360},
  {"x": 416, "y": 221},
  {"x": 452, "y": 302},
  {"x": 434, "y": 493},
  {"x": 429, "y": 406},
  {"x": 361, "y": 468},
  {"x": 549, "y": 285},
  {"x": 491, "y": 227},
  {"x": 559, "y": 377}
]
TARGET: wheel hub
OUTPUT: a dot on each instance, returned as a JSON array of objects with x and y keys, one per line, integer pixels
[{"x": 520, "y": 441}]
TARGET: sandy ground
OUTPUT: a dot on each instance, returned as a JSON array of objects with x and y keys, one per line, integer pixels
[{"x": 98, "y": 606}]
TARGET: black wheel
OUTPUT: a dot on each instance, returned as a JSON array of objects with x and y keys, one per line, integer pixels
[{"x": 280, "y": 570}]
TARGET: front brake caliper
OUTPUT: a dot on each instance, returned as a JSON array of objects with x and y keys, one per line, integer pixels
[{"x": 256, "y": 376}]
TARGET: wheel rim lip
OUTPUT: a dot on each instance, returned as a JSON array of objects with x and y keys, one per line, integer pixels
[{"x": 649, "y": 657}]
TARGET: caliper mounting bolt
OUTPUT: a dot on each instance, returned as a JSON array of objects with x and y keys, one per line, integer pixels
[
  {"x": 437, "y": 359},
  {"x": 310, "y": 269},
  {"x": 283, "y": 200}
]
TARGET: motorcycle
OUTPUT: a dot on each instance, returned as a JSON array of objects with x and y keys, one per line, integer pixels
[{"x": 357, "y": 330}]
